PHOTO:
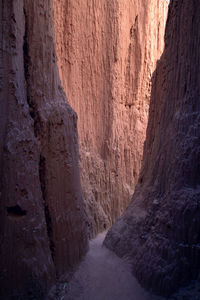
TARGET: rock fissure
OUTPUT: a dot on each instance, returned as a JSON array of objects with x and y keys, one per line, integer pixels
[
  {"x": 49, "y": 231},
  {"x": 42, "y": 176}
]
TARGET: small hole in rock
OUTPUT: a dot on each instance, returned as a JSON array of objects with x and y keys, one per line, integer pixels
[
  {"x": 15, "y": 211},
  {"x": 141, "y": 180}
]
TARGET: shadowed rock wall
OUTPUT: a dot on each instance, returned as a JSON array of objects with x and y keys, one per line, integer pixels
[
  {"x": 160, "y": 230},
  {"x": 107, "y": 51},
  {"x": 42, "y": 223}
]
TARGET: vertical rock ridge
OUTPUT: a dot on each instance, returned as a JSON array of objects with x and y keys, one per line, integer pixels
[
  {"x": 32, "y": 109},
  {"x": 23, "y": 235},
  {"x": 42, "y": 222},
  {"x": 56, "y": 131}
]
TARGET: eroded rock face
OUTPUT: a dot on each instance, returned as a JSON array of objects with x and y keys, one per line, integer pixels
[
  {"x": 107, "y": 51},
  {"x": 42, "y": 223},
  {"x": 160, "y": 230}
]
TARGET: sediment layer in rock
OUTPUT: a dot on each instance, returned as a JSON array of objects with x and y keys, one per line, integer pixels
[
  {"x": 160, "y": 230},
  {"x": 107, "y": 51},
  {"x": 42, "y": 223}
]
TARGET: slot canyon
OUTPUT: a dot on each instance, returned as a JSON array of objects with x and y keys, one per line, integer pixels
[{"x": 100, "y": 149}]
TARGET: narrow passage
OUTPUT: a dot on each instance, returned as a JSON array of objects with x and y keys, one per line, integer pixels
[{"x": 104, "y": 276}]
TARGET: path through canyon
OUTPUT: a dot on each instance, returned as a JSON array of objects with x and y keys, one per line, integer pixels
[{"x": 104, "y": 276}]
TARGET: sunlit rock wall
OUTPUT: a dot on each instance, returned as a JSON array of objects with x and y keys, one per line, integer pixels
[
  {"x": 107, "y": 52},
  {"x": 160, "y": 230}
]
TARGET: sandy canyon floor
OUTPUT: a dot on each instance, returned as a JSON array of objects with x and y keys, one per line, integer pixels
[{"x": 104, "y": 276}]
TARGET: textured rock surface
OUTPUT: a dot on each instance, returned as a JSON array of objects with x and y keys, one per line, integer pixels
[
  {"x": 107, "y": 51},
  {"x": 42, "y": 227},
  {"x": 160, "y": 230}
]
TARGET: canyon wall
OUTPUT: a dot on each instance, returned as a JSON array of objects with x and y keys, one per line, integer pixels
[
  {"x": 160, "y": 230},
  {"x": 107, "y": 52},
  {"x": 42, "y": 222}
]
